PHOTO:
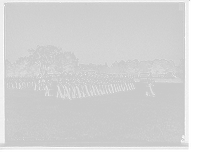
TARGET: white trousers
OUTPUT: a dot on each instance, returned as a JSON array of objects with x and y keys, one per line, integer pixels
[
  {"x": 59, "y": 93},
  {"x": 78, "y": 91},
  {"x": 150, "y": 91},
  {"x": 67, "y": 92},
  {"x": 47, "y": 93},
  {"x": 35, "y": 86}
]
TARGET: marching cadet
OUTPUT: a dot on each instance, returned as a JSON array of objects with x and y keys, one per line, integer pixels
[
  {"x": 73, "y": 88},
  {"x": 149, "y": 85},
  {"x": 92, "y": 86},
  {"x": 59, "y": 93},
  {"x": 32, "y": 82},
  {"x": 116, "y": 86},
  {"x": 63, "y": 84},
  {"x": 132, "y": 83},
  {"x": 68, "y": 88},
  {"x": 15, "y": 82},
  {"x": 103, "y": 86},
  {"x": 126, "y": 84},
  {"x": 79, "y": 93},
  {"x": 43, "y": 84},
  {"x": 100, "y": 87},
  {"x": 111, "y": 86},
  {"x": 63, "y": 90},
  {"x": 107, "y": 86},
  {"x": 11, "y": 83},
  {"x": 35, "y": 84},
  {"x": 47, "y": 84},
  {"x": 19, "y": 84},
  {"x": 51, "y": 81},
  {"x": 22, "y": 82},
  {"x": 81, "y": 85},
  {"x": 86, "y": 86},
  {"x": 39, "y": 83},
  {"x": 96, "y": 86}
]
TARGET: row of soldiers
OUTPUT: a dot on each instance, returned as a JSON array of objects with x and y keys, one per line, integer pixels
[
  {"x": 76, "y": 85},
  {"x": 37, "y": 83},
  {"x": 19, "y": 83},
  {"x": 71, "y": 87}
]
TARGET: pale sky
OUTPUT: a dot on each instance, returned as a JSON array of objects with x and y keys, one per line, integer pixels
[{"x": 97, "y": 32}]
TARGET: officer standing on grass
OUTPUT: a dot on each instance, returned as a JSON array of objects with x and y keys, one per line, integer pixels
[{"x": 149, "y": 85}]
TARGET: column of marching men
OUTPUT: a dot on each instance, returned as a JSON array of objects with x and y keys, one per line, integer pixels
[
  {"x": 72, "y": 87},
  {"x": 38, "y": 84},
  {"x": 19, "y": 83}
]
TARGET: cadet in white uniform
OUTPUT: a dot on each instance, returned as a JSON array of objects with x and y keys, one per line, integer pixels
[
  {"x": 150, "y": 84},
  {"x": 47, "y": 84}
]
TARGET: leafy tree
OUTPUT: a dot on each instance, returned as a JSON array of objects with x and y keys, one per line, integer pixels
[
  {"x": 92, "y": 67},
  {"x": 132, "y": 66},
  {"x": 122, "y": 67},
  {"x": 38, "y": 56},
  {"x": 157, "y": 67},
  {"x": 171, "y": 67},
  {"x": 114, "y": 69},
  {"x": 22, "y": 66},
  {"x": 8, "y": 69},
  {"x": 103, "y": 69},
  {"x": 145, "y": 67},
  {"x": 44, "y": 56},
  {"x": 66, "y": 62},
  {"x": 51, "y": 53}
]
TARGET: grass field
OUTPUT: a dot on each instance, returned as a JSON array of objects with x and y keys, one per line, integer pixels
[{"x": 126, "y": 119}]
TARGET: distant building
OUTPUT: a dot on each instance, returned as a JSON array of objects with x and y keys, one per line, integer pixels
[{"x": 132, "y": 74}]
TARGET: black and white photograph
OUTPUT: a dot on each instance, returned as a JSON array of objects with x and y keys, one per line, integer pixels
[{"x": 95, "y": 74}]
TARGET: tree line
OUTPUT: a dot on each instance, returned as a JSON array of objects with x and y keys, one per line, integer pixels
[
  {"x": 51, "y": 59},
  {"x": 134, "y": 66}
]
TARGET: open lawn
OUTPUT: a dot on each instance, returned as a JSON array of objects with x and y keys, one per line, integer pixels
[{"x": 125, "y": 116}]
